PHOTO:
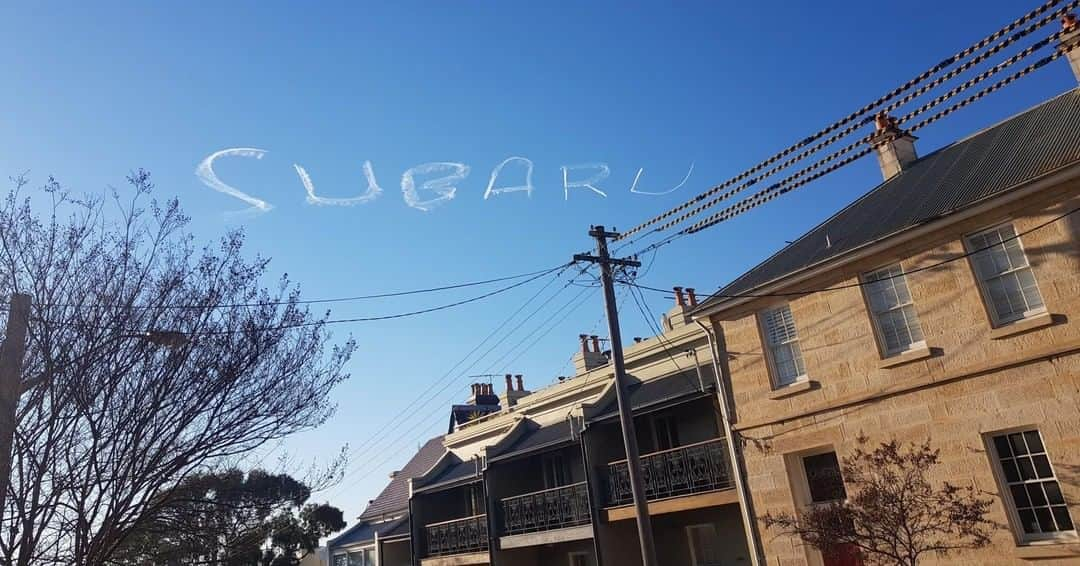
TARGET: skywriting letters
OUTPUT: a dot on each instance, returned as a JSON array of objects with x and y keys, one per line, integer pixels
[{"x": 440, "y": 184}]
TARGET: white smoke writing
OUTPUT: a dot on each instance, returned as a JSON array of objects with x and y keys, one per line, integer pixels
[
  {"x": 373, "y": 189},
  {"x": 633, "y": 188},
  {"x": 442, "y": 186},
  {"x": 205, "y": 172}
]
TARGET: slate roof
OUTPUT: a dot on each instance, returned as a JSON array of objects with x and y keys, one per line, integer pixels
[
  {"x": 676, "y": 387},
  {"x": 1027, "y": 146},
  {"x": 395, "y": 496},
  {"x": 536, "y": 438}
]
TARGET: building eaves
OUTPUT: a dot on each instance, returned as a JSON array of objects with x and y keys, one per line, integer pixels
[{"x": 987, "y": 164}]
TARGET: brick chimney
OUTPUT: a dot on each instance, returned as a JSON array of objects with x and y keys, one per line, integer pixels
[
  {"x": 590, "y": 357},
  {"x": 679, "y": 315},
  {"x": 895, "y": 147},
  {"x": 691, "y": 296},
  {"x": 512, "y": 395},
  {"x": 1070, "y": 42}
]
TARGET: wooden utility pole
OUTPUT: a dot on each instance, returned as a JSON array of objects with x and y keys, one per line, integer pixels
[
  {"x": 626, "y": 414},
  {"x": 11, "y": 386}
]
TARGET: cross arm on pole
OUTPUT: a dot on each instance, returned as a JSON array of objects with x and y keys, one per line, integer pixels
[{"x": 611, "y": 260}]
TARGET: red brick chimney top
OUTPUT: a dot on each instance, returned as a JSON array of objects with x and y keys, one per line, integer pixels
[{"x": 1069, "y": 21}]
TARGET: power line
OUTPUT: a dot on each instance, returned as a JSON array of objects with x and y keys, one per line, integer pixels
[
  {"x": 406, "y": 412},
  {"x": 425, "y": 401},
  {"x": 867, "y": 139},
  {"x": 362, "y": 319},
  {"x": 800, "y": 293},
  {"x": 371, "y": 468},
  {"x": 778, "y": 189},
  {"x": 851, "y": 117},
  {"x": 320, "y": 301}
]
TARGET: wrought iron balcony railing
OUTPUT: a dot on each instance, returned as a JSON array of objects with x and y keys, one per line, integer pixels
[
  {"x": 565, "y": 506},
  {"x": 458, "y": 536},
  {"x": 695, "y": 468}
]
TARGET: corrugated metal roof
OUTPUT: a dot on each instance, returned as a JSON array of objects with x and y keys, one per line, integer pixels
[
  {"x": 538, "y": 437},
  {"x": 395, "y": 496},
  {"x": 1020, "y": 149}
]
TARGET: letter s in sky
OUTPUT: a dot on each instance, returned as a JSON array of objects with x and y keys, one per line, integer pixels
[
  {"x": 442, "y": 186},
  {"x": 205, "y": 173}
]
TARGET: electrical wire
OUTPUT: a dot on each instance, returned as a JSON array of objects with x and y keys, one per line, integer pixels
[
  {"x": 851, "y": 117},
  {"x": 719, "y": 295},
  {"x": 323, "y": 301},
  {"x": 424, "y": 399},
  {"x": 406, "y": 412}
]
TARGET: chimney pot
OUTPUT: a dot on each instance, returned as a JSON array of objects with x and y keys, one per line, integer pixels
[
  {"x": 679, "y": 299},
  {"x": 895, "y": 147},
  {"x": 520, "y": 382},
  {"x": 692, "y": 295},
  {"x": 637, "y": 339},
  {"x": 509, "y": 383},
  {"x": 584, "y": 343},
  {"x": 1070, "y": 41},
  {"x": 595, "y": 343}
]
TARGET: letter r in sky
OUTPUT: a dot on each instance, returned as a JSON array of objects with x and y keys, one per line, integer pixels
[{"x": 602, "y": 172}]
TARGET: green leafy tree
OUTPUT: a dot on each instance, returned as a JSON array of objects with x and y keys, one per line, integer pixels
[
  {"x": 894, "y": 514},
  {"x": 229, "y": 519}
]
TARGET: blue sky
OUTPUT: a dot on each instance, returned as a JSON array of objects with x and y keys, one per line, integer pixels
[{"x": 94, "y": 90}]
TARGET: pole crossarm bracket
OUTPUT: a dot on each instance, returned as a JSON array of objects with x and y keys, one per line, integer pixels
[{"x": 610, "y": 260}]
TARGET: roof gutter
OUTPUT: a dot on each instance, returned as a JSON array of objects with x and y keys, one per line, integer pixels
[{"x": 1061, "y": 175}]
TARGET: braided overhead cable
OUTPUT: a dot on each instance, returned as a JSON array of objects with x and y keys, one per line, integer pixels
[
  {"x": 893, "y": 106},
  {"x": 766, "y": 196},
  {"x": 865, "y": 140},
  {"x": 846, "y": 120}
]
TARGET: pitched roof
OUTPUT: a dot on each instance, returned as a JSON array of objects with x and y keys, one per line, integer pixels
[
  {"x": 538, "y": 437},
  {"x": 395, "y": 496},
  {"x": 661, "y": 392},
  {"x": 462, "y": 471},
  {"x": 1018, "y": 150},
  {"x": 365, "y": 532}
]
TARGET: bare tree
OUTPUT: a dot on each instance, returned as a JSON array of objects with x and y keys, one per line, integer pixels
[
  {"x": 113, "y": 423},
  {"x": 893, "y": 515}
]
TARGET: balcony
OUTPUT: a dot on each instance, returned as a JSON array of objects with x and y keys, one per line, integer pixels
[
  {"x": 459, "y": 536},
  {"x": 557, "y": 508},
  {"x": 686, "y": 470}
]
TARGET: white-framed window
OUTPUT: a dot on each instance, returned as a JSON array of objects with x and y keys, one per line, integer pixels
[
  {"x": 782, "y": 343},
  {"x": 895, "y": 320},
  {"x": 580, "y": 559},
  {"x": 361, "y": 557},
  {"x": 1031, "y": 489},
  {"x": 1005, "y": 277},
  {"x": 704, "y": 544}
]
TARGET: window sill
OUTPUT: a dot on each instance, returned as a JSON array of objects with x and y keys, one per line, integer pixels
[
  {"x": 1023, "y": 325},
  {"x": 1042, "y": 550},
  {"x": 920, "y": 353},
  {"x": 793, "y": 389}
]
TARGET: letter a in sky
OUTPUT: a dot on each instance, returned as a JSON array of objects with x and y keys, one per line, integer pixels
[{"x": 527, "y": 187}]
